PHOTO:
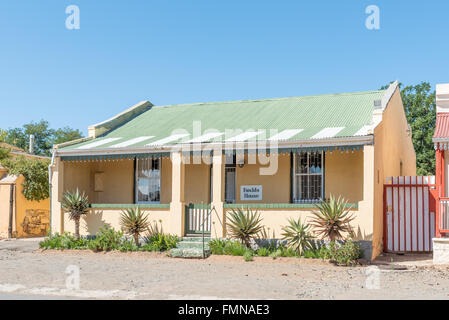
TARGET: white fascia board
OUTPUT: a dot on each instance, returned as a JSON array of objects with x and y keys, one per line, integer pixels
[{"x": 340, "y": 141}]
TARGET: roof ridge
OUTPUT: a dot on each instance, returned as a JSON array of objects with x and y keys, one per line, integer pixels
[{"x": 268, "y": 99}]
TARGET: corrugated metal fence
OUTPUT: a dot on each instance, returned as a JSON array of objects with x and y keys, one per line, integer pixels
[{"x": 409, "y": 213}]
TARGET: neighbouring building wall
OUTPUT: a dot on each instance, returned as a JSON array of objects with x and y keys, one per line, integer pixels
[
  {"x": 32, "y": 217},
  {"x": 392, "y": 146},
  {"x": 5, "y": 190}
]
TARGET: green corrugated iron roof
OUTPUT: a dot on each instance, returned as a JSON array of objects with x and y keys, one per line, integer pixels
[{"x": 344, "y": 115}]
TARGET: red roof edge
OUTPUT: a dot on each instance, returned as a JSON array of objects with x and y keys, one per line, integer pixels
[{"x": 442, "y": 126}]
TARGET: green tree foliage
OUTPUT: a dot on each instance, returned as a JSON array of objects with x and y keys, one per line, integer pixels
[
  {"x": 44, "y": 136},
  {"x": 420, "y": 108},
  {"x": 35, "y": 172},
  {"x": 4, "y": 153}
]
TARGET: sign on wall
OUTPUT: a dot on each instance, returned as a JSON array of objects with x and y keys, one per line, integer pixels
[{"x": 250, "y": 193}]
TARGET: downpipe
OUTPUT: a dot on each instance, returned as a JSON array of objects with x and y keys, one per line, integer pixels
[
  {"x": 11, "y": 209},
  {"x": 50, "y": 174}
]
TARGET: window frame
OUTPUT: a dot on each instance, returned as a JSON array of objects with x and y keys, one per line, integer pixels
[
  {"x": 308, "y": 174},
  {"x": 136, "y": 180},
  {"x": 231, "y": 167}
]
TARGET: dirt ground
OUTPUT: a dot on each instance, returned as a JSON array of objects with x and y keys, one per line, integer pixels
[{"x": 27, "y": 271}]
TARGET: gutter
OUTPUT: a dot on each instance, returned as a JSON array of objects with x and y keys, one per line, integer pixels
[
  {"x": 361, "y": 140},
  {"x": 50, "y": 173}
]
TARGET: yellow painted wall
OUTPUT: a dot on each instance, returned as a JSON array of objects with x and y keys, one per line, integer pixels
[
  {"x": 275, "y": 188},
  {"x": 197, "y": 183},
  {"x": 91, "y": 223},
  {"x": 166, "y": 180},
  {"x": 392, "y": 144},
  {"x": 32, "y": 217},
  {"x": 275, "y": 219},
  {"x": 118, "y": 180},
  {"x": 344, "y": 175},
  {"x": 4, "y": 209}
]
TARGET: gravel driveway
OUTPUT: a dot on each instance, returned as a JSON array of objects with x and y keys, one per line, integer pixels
[{"x": 27, "y": 271}]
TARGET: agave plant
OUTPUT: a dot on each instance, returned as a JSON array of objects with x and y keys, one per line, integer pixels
[
  {"x": 297, "y": 235},
  {"x": 134, "y": 223},
  {"x": 153, "y": 230},
  {"x": 332, "y": 220},
  {"x": 76, "y": 204},
  {"x": 244, "y": 225}
]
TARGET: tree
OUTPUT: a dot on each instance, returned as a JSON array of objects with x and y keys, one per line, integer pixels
[
  {"x": 65, "y": 134},
  {"x": 44, "y": 136},
  {"x": 420, "y": 109},
  {"x": 3, "y": 135},
  {"x": 35, "y": 172}
]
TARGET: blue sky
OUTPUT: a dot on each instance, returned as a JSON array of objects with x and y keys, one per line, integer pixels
[{"x": 206, "y": 50}]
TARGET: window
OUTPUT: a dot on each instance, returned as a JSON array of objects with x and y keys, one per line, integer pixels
[
  {"x": 308, "y": 177},
  {"x": 148, "y": 180},
  {"x": 230, "y": 178}
]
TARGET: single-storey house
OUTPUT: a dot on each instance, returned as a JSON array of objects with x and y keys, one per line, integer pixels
[{"x": 276, "y": 156}]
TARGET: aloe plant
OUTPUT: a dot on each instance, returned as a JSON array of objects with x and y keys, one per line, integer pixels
[
  {"x": 134, "y": 223},
  {"x": 297, "y": 235},
  {"x": 244, "y": 225},
  {"x": 76, "y": 204},
  {"x": 332, "y": 220}
]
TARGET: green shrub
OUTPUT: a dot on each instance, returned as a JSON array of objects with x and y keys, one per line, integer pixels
[
  {"x": 248, "y": 256},
  {"x": 128, "y": 245},
  {"x": 312, "y": 254},
  {"x": 234, "y": 248},
  {"x": 263, "y": 252},
  {"x": 227, "y": 247},
  {"x": 217, "y": 246},
  {"x": 64, "y": 241},
  {"x": 288, "y": 252},
  {"x": 107, "y": 239},
  {"x": 160, "y": 242},
  {"x": 346, "y": 254},
  {"x": 275, "y": 254}
]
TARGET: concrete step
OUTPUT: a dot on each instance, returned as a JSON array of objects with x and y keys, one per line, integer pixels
[
  {"x": 196, "y": 239},
  {"x": 188, "y": 253},
  {"x": 192, "y": 245}
]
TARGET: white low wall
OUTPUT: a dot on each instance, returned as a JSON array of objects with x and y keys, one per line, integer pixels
[
  {"x": 91, "y": 223},
  {"x": 440, "y": 250}
]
